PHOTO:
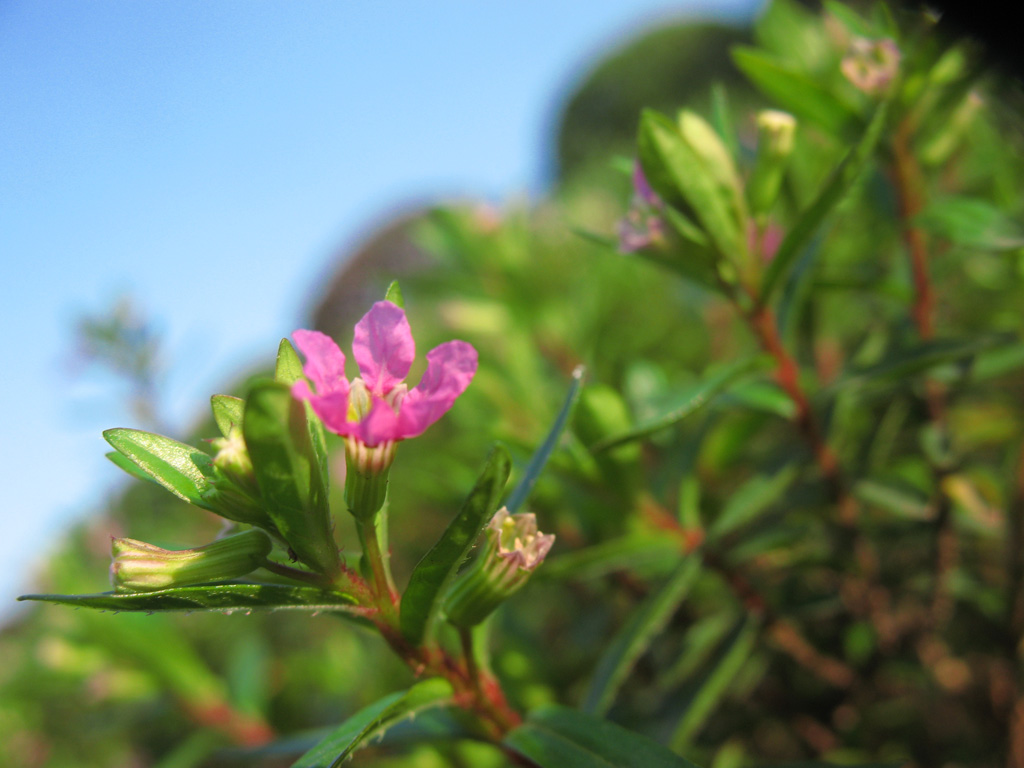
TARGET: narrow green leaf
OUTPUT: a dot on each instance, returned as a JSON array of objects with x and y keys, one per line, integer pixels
[
  {"x": 901, "y": 364},
  {"x": 543, "y": 453},
  {"x": 695, "y": 398},
  {"x": 841, "y": 181},
  {"x": 850, "y": 19},
  {"x": 288, "y": 368},
  {"x": 394, "y": 294},
  {"x": 642, "y": 554},
  {"x": 211, "y": 597},
  {"x": 794, "y": 92},
  {"x": 289, "y": 471},
  {"x": 635, "y": 638},
  {"x": 434, "y": 573},
  {"x": 559, "y": 737},
  {"x": 971, "y": 222},
  {"x": 227, "y": 412},
  {"x": 900, "y": 501},
  {"x": 179, "y": 468},
  {"x": 606, "y": 241},
  {"x": 764, "y": 396},
  {"x": 716, "y": 681},
  {"x": 374, "y": 720},
  {"x": 754, "y": 497},
  {"x": 996, "y": 362},
  {"x": 722, "y": 118}
]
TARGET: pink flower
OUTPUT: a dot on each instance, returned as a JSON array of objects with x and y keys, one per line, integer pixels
[
  {"x": 378, "y": 407},
  {"x": 642, "y": 226}
]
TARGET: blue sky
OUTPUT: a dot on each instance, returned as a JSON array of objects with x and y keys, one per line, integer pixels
[{"x": 207, "y": 159}]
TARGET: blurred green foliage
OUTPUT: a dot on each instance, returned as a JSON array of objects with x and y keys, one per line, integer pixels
[{"x": 871, "y": 609}]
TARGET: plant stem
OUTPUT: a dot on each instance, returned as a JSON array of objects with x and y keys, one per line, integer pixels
[
  {"x": 762, "y": 321},
  {"x": 906, "y": 176},
  {"x": 382, "y": 584}
]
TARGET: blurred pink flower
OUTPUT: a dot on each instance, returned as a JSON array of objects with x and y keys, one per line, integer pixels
[
  {"x": 377, "y": 407},
  {"x": 765, "y": 241},
  {"x": 642, "y": 225}
]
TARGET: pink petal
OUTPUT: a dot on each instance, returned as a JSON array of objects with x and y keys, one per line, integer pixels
[
  {"x": 325, "y": 362},
  {"x": 450, "y": 368},
  {"x": 332, "y": 408},
  {"x": 383, "y": 347},
  {"x": 378, "y": 426}
]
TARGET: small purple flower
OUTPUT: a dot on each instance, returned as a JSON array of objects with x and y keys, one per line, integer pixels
[
  {"x": 377, "y": 407},
  {"x": 641, "y": 227},
  {"x": 642, "y": 189}
]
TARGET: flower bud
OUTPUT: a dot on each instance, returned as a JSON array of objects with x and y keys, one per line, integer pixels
[
  {"x": 141, "y": 567},
  {"x": 233, "y": 460},
  {"x": 776, "y": 131},
  {"x": 513, "y": 550},
  {"x": 234, "y": 493}
]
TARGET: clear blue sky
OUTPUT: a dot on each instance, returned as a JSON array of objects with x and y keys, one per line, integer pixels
[{"x": 207, "y": 158}]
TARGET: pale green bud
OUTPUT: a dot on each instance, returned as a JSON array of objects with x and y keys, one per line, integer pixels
[
  {"x": 141, "y": 567},
  {"x": 513, "y": 550},
  {"x": 775, "y": 137}
]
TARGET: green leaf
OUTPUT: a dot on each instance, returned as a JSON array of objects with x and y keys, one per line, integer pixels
[
  {"x": 635, "y": 638},
  {"x": 838, "y": 185},
  {"x": 394, "y": 294},
  {"x": 130, "y": 466},
  {"x": 901, "y": 501},
  {"x": 764, "y": 396},
  {"x": 900, "y": 364},
  {"x": 721, "y": 118},
  {"x": 434, "y": 573},
  {"x": 179, "y": 468},
  {"x": 972, "y": 222},
  {"x": 794, "y": 92},
  {"x": 677, "y": 169},
  {"x": 288, "y": 368},
  {"x": 373, "y": 721},
  {"x": 997, "y": 362},
  {"x": 543, "y": 453},
  {"x": 289, "y": 471},
  {"x": 606, "y": 241},
  {"x": 643, "y": 554},
  {"x": 559, "y": 737},
  {"x": 693, "y": 399},
  {"x": 227, "y": 412},
  {"x": 211, "y": 597},
  {"x": 716, "y": 681},
  {"x": 754, "y": 497}
]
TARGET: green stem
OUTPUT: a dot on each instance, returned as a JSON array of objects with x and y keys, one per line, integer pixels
[{"x": 376, "y": 565}]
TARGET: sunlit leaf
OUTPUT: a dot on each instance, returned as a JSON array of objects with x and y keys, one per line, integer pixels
[
  {"x": 227, "y": 412},
  {"x": 179, "y": 468}
]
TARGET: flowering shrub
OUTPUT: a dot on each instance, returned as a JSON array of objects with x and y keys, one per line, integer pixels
[{"x": 787, "y": 492}]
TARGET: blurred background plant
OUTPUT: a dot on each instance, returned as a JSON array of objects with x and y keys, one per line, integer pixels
[{"x": 789, "y": 506}]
